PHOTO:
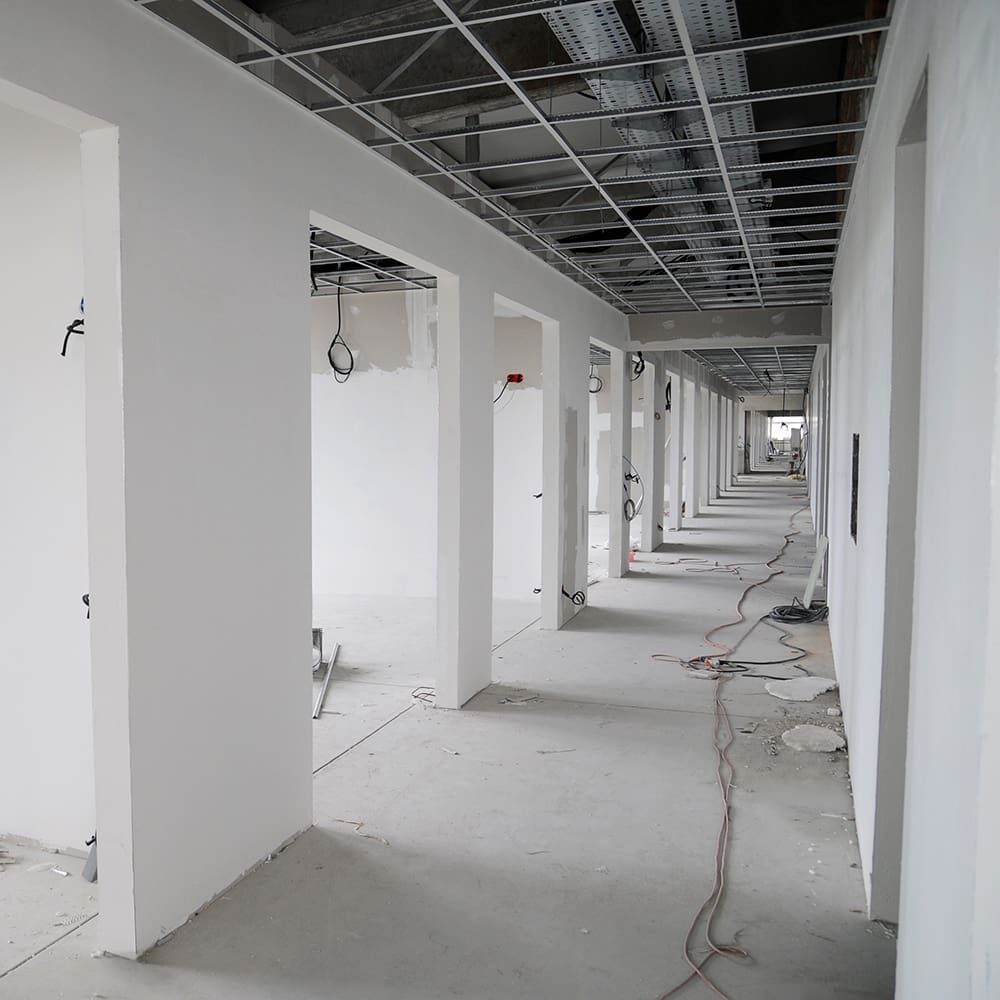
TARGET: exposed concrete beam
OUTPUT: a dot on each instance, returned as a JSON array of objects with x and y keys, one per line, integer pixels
[{"x": 790, "y": 326}]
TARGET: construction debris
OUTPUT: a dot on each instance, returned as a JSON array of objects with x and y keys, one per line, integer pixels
[
  {"x": 800, "y": 688},
  {"x": 816, "y": 739}
]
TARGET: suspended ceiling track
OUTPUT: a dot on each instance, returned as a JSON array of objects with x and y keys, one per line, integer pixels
[{"x": 492, "y": 204}]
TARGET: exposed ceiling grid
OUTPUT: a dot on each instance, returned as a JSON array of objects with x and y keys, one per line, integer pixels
[{"x": 666, "y": 154}]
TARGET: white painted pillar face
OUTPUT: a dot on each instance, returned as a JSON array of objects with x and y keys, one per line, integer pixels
[
  {"x": 720, "y": 444},
  {"x": 654, "y": 424},
  {"x": 730, "y": 442},
  {"x": 565, "y": 472},
  {"x": 465, "y": 489},
  {"x": 712, "y": 453},
  {"x": 676, "y": 462},
  {"x": 690, "y": 466},
  {"x": 715, "y": 443},
  {"x": 621, "y": 448},
  {"x": 696, "y": 456}
]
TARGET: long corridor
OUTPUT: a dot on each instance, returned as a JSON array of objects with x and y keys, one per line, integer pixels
[{"x": 555, "y": 840}]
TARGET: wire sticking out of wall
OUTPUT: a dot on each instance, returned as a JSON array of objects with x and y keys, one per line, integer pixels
[
  {"x": 638, "y": 368},
  {"x": 579, "y": 598},
  {"x": 341, "y": 372},
  {"x": 596, "y": 383},
  {"x": 512, "y": 379},
  {"x": 631, "y": 476},
  {"x": 75, "y": 327}
]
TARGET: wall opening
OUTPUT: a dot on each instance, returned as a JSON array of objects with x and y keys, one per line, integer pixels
[
  {"x": 46, "y": 708},
  {"x": 517, "y": 472},
  {"x": 374, "y": 397}
]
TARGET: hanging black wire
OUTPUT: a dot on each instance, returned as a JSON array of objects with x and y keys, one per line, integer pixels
[
  {"x": 595, "y": 379},
  {"x": 638, "y": 368},
  {"x": 632, "y": 507},
  {"x": 340, "y": 372}
]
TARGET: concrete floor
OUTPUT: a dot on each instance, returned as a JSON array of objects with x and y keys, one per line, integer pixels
[{"x": 554, "y": 840}]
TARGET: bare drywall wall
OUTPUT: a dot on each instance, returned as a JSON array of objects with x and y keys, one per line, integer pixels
[
  {"x": 517, "y": 460},
  {"x": 374, "y": 446},
  {"x": 205, "y": 354},
  {"x": 958, "y": 44},
  {"x": 46, "y": 720}
]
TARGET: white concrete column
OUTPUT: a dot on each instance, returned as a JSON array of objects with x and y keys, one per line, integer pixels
[
  {"x": 730, "y": 431},
  {"x": 715, "y": 446},
  {"x": 465, "y": 488},
  {"x": 720, "y": 443},
  {"x": 676, "y": 462},
  {"x": 655, "y": 383},
  {"x": 621, "y": 448},
  {"x": 565, "y": 470},
  {"x": 697, "y": 457},
  {"x": 690, "y": 397}
]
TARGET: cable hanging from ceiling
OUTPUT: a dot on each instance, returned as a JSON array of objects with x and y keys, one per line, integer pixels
[{"x": 341, "y": 372}]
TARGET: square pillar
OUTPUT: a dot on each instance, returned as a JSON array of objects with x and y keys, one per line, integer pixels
[
  {"x": 697, "y": 456},
  {"x": 565, "y": 471},
  {"x": 654, "y": 424},
  {"x": 690, "y": 466},
  {"x": 621, "y": 448},
  {"x": 718, "y": 441},
  {"x": 465, "y": 489},
  {"x": 676, "y": 462}
]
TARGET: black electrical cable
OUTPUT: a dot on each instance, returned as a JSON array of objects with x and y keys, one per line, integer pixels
[
  {"x": 579, "y": 598},
  {"x": 75, "y": 327},
  {"x": 796, "y": 612},
  {"x": 668, "y": 395},
  {"x": 638, "y": 368},
  {"x": 594, "y": 377},
  {"x": 340, "y": 373},
  {"x": 632, "y": 507},
  {"x": 500, "y": 393}
]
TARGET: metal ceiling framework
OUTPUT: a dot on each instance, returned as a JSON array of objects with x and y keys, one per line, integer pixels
[
  {"x": 713, "y": 230},
  {"x": 760, "y": 369},
  {"x": 337, "y": 267}
]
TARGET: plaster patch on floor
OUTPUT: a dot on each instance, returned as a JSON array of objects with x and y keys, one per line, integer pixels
[
  {"x": 813, "y": 738},
  {"x": 800, "y": 688}
]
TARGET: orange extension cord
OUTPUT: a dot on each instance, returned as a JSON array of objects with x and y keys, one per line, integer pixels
[{"x": 725, "y": 772}]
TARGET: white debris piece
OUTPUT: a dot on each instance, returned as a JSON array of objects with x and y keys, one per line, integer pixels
[
  {"x": 800, "y": 688},
  {"x": 814, "y": 738}
]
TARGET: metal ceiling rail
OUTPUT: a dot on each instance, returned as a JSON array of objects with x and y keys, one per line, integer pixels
[
  {"x": 597, "y": 66},
  {"x": 680, "y": 25},
  {"x": 215, "y": 8},
  {"x": 625, "y": 114},
  {"x": 573, "y": 184},
  {"x": 371, "y": 267},
  {"x": 739, "y": 259},
  {"x": 605, "y": 258},
  {"x": 269, "y": 53},
  {"x": 746, "y": 139},
  {"x": 520, "y": 93},
  {"x": 677, "y": 220},
  {"x": 728, "y": 260},
  {"x": 687, "y": 199}
]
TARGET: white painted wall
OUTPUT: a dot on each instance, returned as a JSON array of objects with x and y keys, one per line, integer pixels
[
  {"x": 945, "y": 882},
  {"x": 46, "y": 723},
  {"x": 517, "y": 460},
  {"x": 198, "y": 441},
  {"x": 374, "y": 447}
]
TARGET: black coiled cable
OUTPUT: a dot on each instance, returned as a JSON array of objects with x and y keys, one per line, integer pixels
[
  {"x": 797, "y": 612},
  {"x": 340, "y": 372}
]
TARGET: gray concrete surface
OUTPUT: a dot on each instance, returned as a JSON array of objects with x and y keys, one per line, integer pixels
[{"x": 554, "y": 840}]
